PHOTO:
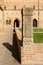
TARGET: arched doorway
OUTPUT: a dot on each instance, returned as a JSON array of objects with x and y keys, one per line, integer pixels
[
  {"x": 35, "y": 23},
  {"x": 16, "y": 23}
]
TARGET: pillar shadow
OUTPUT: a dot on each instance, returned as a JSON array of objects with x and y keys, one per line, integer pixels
[
  {"x": 20, "y": 42},
  {"x": 8, "y": 46},
  {"x": 13, "y": 50},
  {"x": 14, "y": 47}
]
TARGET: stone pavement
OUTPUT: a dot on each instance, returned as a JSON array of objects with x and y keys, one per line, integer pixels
[{"x": 6, "y": 57}]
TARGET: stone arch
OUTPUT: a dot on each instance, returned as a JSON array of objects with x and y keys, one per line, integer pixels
[
  {"x": 16, "y": 23},
  {"x": 34, "y": 22}
]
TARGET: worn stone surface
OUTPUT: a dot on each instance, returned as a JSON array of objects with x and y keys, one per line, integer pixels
[
  {"x": 27, "y": 22},
  {"x": 6, "y": 57}
]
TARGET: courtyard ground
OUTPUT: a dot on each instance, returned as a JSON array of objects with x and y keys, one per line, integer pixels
[{"x": 6, "y": 58}]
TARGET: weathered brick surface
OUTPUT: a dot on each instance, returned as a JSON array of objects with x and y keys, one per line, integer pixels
[{"x": 32, "y": 56}]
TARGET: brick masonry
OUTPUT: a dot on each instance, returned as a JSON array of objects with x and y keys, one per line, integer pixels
[{"x": 32, "y": 54}]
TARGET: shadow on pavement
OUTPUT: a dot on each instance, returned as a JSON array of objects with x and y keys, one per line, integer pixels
[
  {"x": 14, "y": 47},
  {"x": 20, "y": 42},
  {"x": 13, "y": 50}
]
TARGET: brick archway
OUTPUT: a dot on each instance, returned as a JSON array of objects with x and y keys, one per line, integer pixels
[
  {"x": 16, "y": 23},
  {"x": 34, "y": 22}
]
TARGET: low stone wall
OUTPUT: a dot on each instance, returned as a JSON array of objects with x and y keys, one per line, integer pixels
[{"x": 32, "y": 54}]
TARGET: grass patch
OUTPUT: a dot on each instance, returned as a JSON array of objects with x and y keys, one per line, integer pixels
[
  {"x": 37, "y": 30},
  {"x": 38, "y": 37},
  {"x": 20, "y": 29}
]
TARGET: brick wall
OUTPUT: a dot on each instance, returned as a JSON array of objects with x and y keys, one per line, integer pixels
[{"x": 32, "y": 54}]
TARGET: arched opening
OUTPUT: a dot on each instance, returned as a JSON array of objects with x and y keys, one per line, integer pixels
[
  {"x": 35, "y": 23},
  {"x": 16, "y": 23}
]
